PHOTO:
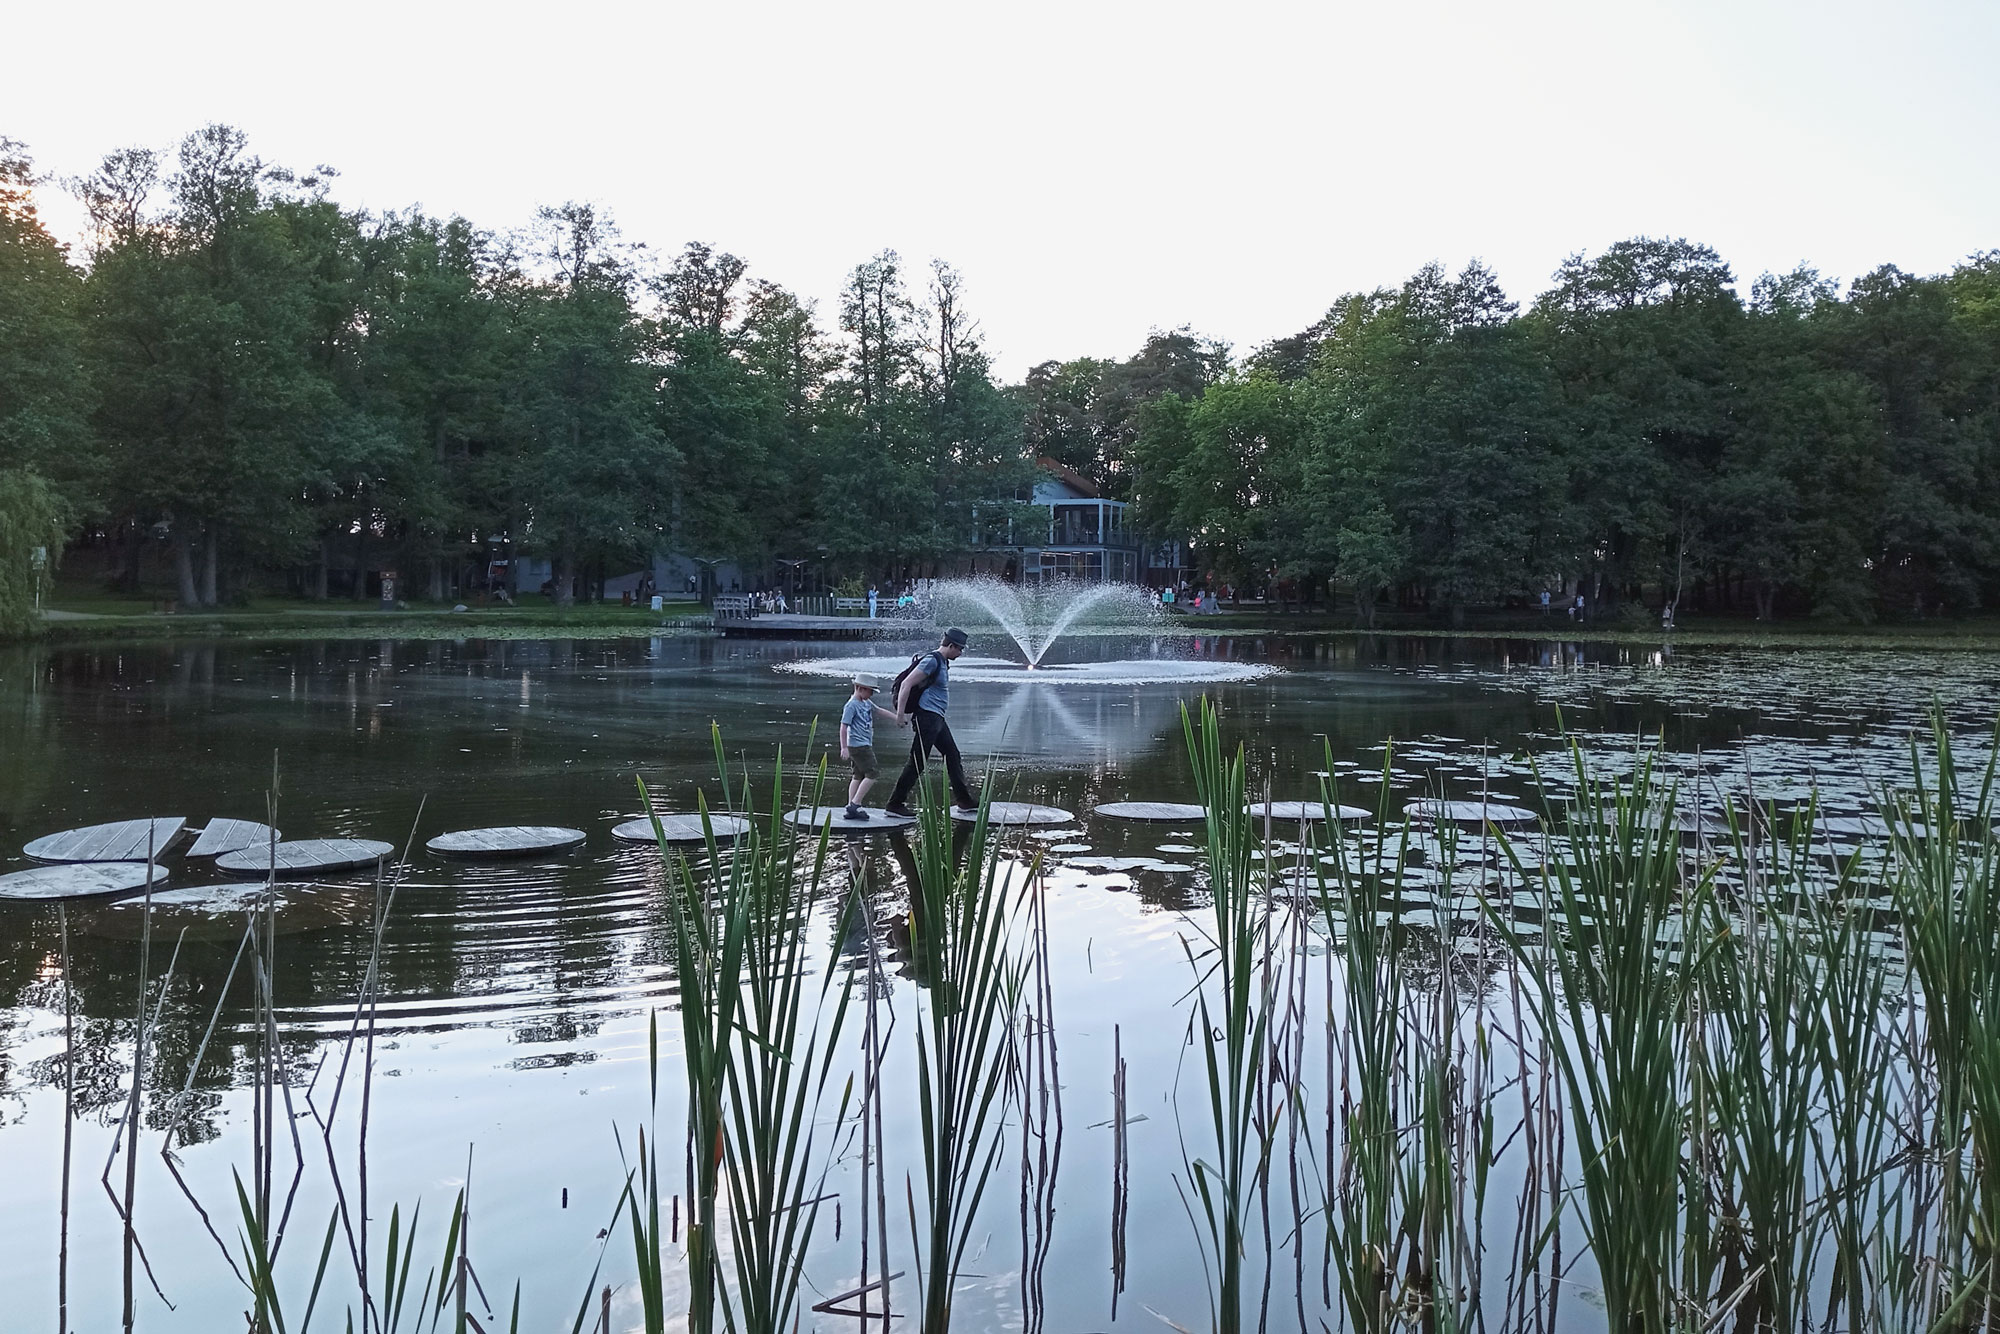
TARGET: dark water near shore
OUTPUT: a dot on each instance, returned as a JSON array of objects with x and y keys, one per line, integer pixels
[{"x": 515, "y": 1020}]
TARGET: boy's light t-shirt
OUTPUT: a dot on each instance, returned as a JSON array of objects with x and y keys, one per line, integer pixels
[{"x": 859, "y": 720}]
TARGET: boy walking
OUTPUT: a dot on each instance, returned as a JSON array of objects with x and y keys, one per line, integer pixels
[
  {"x": 924, "y": 697},
  {"x": 857, "y": 740}
]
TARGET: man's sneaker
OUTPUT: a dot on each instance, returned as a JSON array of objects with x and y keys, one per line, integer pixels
[
  {"x": 969, "y": 812},
  {"x": 856, "y": 813},
  {"x": 900, "y": 811}
]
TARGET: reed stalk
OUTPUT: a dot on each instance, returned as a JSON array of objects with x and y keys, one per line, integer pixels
[
  {"x": 1946, "y": 887},
  {"x": 778, "y": 1072},
  {"x": 1615, "y": 995},
  {"x": 1366, "y": 1189},
  {"x": 1763, "y": 1060},
  {"x": 710, "y": 932},
  {"x": 962, "y": 908},
  {"x": 1232, "y": 1017}
]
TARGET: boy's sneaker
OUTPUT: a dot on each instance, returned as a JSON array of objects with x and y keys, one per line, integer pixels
[
  {"x": 855, "y": 812},
  {"x": 900, "y": 811}
]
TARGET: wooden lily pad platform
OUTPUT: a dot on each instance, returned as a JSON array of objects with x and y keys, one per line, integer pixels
[
  {"x": 119, "y": 841},
  {"x": 77, "y": 880},
  {"x": 1468, "y": 812},
  {"x": 308, "y": 856},
  {"x": 519, "y": 840},
  {"x": 1016, "y": 813},
  {"x": 1309, "y": 810},
  {"x": 1150, "y": 810},
  {"x": 812, "y": 819},
  {"x": 231, "y": 836},
  {"x": 683, "y": 829}
]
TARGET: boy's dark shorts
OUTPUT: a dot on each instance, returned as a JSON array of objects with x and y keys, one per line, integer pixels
[{"x": 863, "y": 760}]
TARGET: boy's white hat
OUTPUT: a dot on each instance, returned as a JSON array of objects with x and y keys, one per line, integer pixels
[{"x": 867, "y": 679}]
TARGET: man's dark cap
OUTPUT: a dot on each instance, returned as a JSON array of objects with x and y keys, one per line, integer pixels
[{"x": 955, "y": 636}]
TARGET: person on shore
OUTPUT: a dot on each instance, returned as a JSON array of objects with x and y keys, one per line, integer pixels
[
  {"x": 857, "y": 739},
  {"x": 871, "y": 602},
  {"x": 923, "y": 698}
]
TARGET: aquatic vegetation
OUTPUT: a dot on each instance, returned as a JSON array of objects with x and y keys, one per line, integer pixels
[
  {"x": 1676, "y": 1051},
  {"x": 962, "y": 906},
  {"x": 1233, "y": 1004}
]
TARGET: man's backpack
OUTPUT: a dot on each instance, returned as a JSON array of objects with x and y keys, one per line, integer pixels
[{"x": 896, "y": 686}]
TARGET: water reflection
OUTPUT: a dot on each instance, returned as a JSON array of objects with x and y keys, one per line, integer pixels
[{"x": 514, "y": 995}]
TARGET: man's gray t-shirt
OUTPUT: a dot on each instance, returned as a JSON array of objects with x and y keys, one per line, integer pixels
[
  {"x": 859, "y": 720},
  {"x": 937, "y": 694}
]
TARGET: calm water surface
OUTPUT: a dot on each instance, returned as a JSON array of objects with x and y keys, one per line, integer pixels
[{"x": 513, "y": 1033}]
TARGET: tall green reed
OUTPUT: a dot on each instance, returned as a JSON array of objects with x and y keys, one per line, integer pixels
[
  {"x": 778, "y": 1073},
  {"x": 710, "y": 926},
  {"x": 962, "y": 908},
  {"x": 1365, "y": 1192},
  {"x": 1613, "y": 980},
  {"x": 758, "y": 1038},
  {"x": 1945, "y": 877},
  {"x": 1232, "y": 1016},
  {"x": 1761, "y": 1056}
]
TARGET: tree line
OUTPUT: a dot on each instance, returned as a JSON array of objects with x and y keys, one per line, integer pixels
[
  {"x": 242, "y": 382},
  {"x": 1639, "y": 427}
]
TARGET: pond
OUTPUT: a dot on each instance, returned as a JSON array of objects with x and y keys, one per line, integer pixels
[{"x": 511, "y": 1035}]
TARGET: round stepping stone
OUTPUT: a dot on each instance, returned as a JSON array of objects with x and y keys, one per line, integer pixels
[
  {"x": 515, "y": 840},
  {"x": 1016, "y": 813},
  {"x": 77, "y": 880},
  {"x": 1150, "y": 810},
  {"x": 307, "y": 856},
  {"x": 119, "y": 841},
  {"x": 232, "y": 835},
  {"x": 1469, "y": 812},
  {"x": 683, "y": 829},
  {"x": 1309, "y": 810},
  {"x": 815, "y": 818}
]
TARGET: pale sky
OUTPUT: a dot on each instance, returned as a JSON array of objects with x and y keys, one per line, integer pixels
[{"x": 1095, "y": 170}]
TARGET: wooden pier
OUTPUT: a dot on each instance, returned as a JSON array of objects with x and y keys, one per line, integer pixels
[{"x": 773, "y": 625}]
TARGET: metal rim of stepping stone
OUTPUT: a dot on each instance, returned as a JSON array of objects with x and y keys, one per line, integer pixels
[
  {"x": 77, "y": 880},
  {"x": 812, "y": 819},
  {"x": 496, "y": 841},
  {"x": 115, "y": 841},
  {"x": 222, "y": 835},
  {"x": 307, "y": 856},
  {"x": 1468, "y": 812},
  {"x": 683, "y": 829},
  {"x": 1309, "y": 810},
  {"x": 1016, "y": 813},
  {"x": 1162, "y": 811}
]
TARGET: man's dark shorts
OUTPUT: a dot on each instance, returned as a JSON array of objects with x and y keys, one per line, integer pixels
[{"x": 863, "y": 760}]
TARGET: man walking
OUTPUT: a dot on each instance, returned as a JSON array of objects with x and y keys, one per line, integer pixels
[{"x": 923, "y": 698}]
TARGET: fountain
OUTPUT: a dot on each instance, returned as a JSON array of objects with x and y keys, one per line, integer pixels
[{"x": 1034, "y": 619}]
